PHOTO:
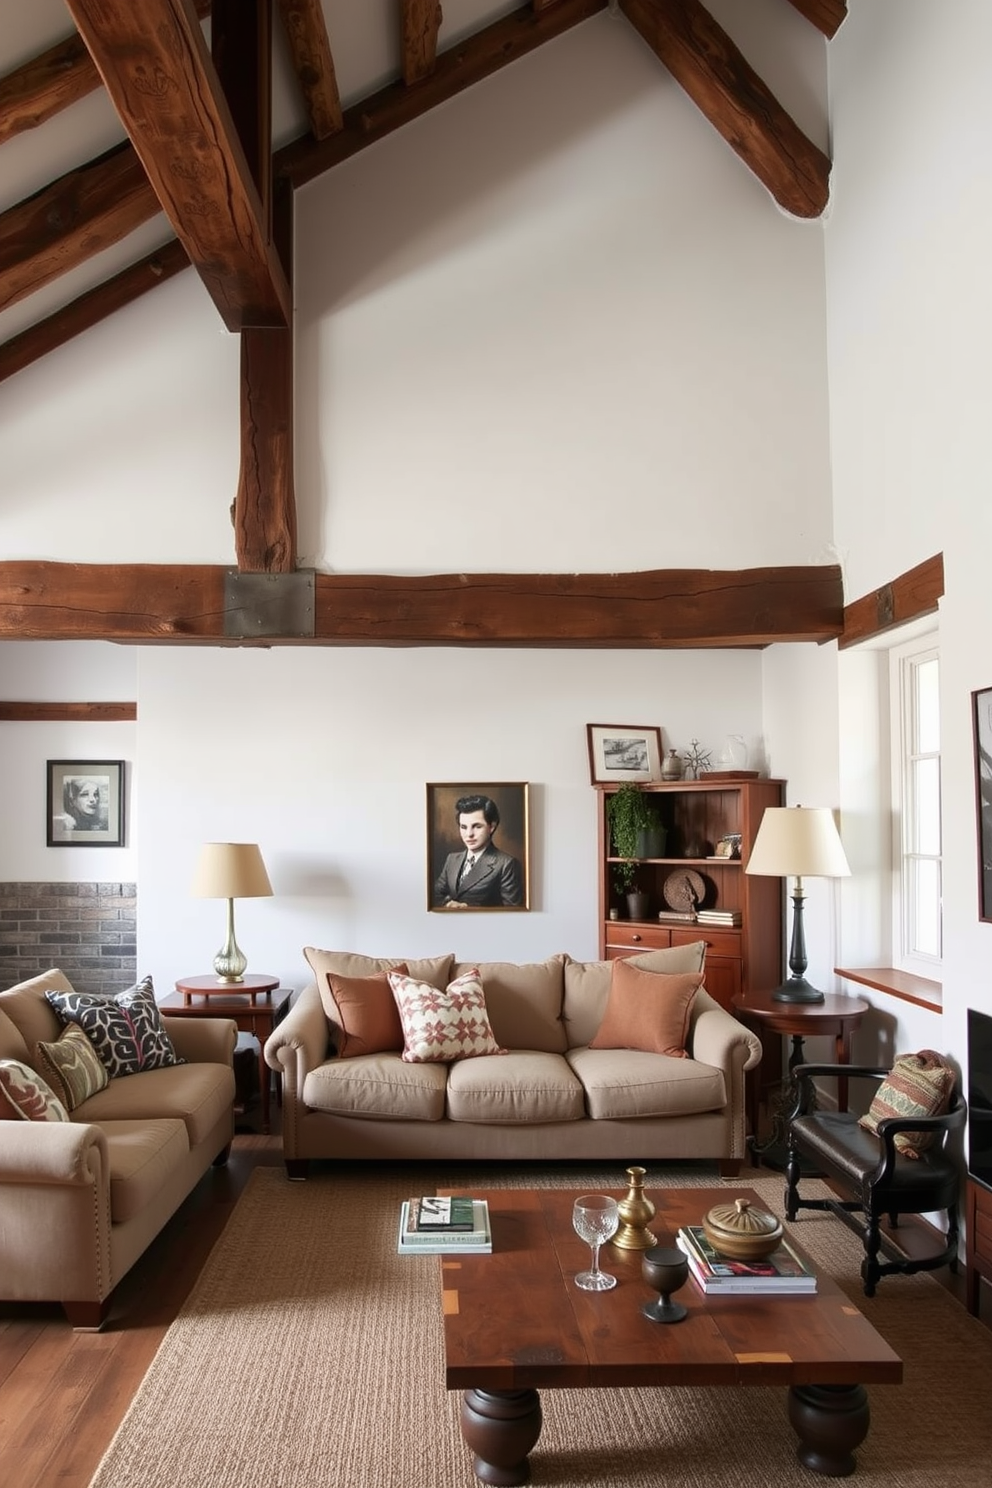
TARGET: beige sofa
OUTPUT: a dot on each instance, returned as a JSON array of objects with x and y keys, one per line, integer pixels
[
  {"x": 549, "y": 1097},
  {"x": 81, "y": 1200}
]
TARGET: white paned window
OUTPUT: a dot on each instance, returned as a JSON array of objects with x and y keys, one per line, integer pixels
[{"x": 916, "y": 849}]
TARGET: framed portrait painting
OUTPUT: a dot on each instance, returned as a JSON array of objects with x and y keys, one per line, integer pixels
[
  {"x": 982, "y": 716},
  {"x": 478, "y": 846},
  {"x": 619, "y": 751},
  {"x": 85, "y": 803}
]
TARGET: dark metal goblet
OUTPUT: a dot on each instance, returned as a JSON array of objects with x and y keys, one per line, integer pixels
[{"x": 665, "y": 1270}]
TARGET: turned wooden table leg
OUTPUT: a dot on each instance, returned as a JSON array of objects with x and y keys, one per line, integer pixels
[
  {"x": 830, "y": 1421},
  {"x": 500, "y": 1427}
]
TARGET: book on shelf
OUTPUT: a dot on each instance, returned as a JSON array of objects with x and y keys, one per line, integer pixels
[
  {"x": 779, "y": 1274},
  {"x": 719, "y": 916},
  {"x": 476, "y": 1241},
  {"x": 683, "y": 916},
  {"x": 441, "y": 1213}
]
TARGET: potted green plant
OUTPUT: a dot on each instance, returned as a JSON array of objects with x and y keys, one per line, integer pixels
[{"x": 631, "y": 814}]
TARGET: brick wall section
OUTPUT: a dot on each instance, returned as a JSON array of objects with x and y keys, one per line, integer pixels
[{"x": 87, "y": 930}]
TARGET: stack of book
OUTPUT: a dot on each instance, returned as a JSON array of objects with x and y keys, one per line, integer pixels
[
  {"x": 444, "y": 1226},
  {"x": 718, "y": 1275},
  {"x": 687, "y": 916},
  {"x": 719, "y": 916}
]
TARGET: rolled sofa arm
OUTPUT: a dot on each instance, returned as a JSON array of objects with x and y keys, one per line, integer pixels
[
  {"x": 49, "y": 1152},
  {"x": 718, "y": 1037},
  {"x": 203, "y": 1040},
  {"x": 299, "y": 1043}
]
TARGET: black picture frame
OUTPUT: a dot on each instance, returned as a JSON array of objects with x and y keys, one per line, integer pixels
[
  {"x": 81, "y": 792},
  {"x": 981, "y": 711},
  {"x": 501, "y": 884}
]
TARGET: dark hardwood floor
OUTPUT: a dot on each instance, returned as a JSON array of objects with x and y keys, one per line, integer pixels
[{"x": 63, "y": 1394}]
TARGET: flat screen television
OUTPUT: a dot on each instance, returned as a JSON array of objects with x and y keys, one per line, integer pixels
[{"x": 980, "y": 1096}]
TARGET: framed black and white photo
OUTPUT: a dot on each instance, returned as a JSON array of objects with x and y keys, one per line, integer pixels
[
  {"x": 619, "y": 751},
  {"x": 982, "y": 714},
  {"x": 478, "y": 846},
  {"x": 85, "y": 803}
]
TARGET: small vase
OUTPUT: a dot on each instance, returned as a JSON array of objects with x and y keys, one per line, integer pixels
[
  {"x": 672, "y": 766},
  {"x": 637, "y": 905},
  {"x": 651, "y": 842},
  {"x": 636, "y": 1213}
]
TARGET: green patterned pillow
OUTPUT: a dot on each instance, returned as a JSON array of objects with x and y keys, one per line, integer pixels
[
  {"x": 917, "y": 1085},
  {"x": 72, "y": 1067}
]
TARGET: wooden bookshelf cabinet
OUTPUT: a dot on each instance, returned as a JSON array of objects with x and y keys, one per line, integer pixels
[
  {"x": 696, "y": 815},
  {"x": 978, "y": 1224}
]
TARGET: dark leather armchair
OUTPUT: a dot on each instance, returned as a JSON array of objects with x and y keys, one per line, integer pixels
[{"x": 882, "y": 1181}]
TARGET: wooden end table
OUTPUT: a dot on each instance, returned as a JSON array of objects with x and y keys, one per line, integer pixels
[
  {"x": 516, "y": 1323},
  {"x": 256, "y": 1005},
  {"x": 836, "y": 1017}
]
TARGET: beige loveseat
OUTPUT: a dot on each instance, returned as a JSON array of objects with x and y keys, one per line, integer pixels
[
  {"x": 81, "y": 1200},
  {"x": 550, "y": 1097}
]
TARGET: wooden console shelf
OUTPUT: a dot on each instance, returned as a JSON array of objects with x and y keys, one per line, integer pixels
[{"x": 902, "y": 984}]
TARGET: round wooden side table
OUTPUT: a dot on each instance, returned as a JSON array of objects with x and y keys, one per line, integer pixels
[{"x": 836, "y": 1017}]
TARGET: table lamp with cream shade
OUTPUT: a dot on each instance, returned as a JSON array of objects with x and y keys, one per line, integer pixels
[
  {"x": 798, "y": 842},
  {"x": 230, "y": 870}
]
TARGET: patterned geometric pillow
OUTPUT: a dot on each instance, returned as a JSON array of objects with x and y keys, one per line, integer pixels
[
  {"x": 125, "y": 1030},
  {"x": 917, "y": 1085},
  {"x": 25, "y": 1094},
  {"x": 74, "y": 1068},
  {"x": 439, "y": 1027}
]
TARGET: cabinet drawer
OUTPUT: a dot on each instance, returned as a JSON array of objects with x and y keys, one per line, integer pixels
[
  {"x": 720, "y": 942},
  {"x": 626, "y": 939},
  {"x": 981, "y": 1218}
]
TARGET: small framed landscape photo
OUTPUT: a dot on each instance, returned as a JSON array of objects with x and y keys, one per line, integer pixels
[
  {"x": 85, "y": 803},
  {"x": 623, "y": 752},
  {"x": 478, "y": 846},
  {"x": 982, "y": 714}
]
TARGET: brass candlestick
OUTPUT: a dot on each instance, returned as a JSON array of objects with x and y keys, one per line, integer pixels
[{"x": 636, "y": 1213}]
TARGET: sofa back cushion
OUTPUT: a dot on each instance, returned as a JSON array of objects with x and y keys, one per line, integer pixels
[
  {"x": 587, "y": 985},
  {"x": 26, "y": 1007},
  {"x": 324, "y": 964},
  {"x": 524, "y": 1001},
  {"x": 12, "y": 1045}
]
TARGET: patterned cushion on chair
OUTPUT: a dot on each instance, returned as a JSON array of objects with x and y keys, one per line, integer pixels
[
  {"x": 125, "y": 1029},
  {"x": 917, "y": 1085}
]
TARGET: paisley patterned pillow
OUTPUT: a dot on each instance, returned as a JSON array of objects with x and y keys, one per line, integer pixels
[
  {"x": 125, "y": 1029},
  {"x": 73, "y": 1067},
  {"x": 25, "y": 1094}
]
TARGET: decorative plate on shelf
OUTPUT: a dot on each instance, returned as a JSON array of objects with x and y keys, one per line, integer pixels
[{"x": 684, "y": 890}]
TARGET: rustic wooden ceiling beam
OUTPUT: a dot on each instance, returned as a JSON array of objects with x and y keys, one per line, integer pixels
[
  {"x": 913, "y": 594},
  {"x": 92, "y": 307},
  {"x": 79, "y": 215},
  {"x": 421, "y": 24},
  {"x": 826, "y": 15},
  {"x": 241, "y": 50},
  {"x": 313, "y": 63},
  {"x": 481, "y": 55},
  {"x": 68, "y": 712},
  {"x": 723, "y": 86},
  {"x": 155, "y": 65},
  {"x": 660, "y": 610},
  {"x": 50, "y": 82}
]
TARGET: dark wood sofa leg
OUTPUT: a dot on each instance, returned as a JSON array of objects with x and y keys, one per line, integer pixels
[
  {"x": 297, "y": 1168},
  {"x": 220, "y": 1161},
  {"x": 87, "y": 1317}
]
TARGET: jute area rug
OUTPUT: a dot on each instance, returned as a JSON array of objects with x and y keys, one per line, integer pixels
[{"x": 310, "y": 1355}]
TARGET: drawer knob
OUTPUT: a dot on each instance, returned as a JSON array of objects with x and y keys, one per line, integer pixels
[{"x": 635, "y": 937}]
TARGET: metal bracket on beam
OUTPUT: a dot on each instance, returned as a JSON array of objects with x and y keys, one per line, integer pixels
[{"x": 276, "y": 605}]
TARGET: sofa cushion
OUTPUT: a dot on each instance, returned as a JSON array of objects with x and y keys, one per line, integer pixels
[
  {"x": 125, "y": 1027},
  {"x": 27, "y": 1008},
  {"x": 143, "y": 1156},
  {"x": 367, "y": 1019},
  {"x": 647, "y": 1010},
  {"x": 198, "y": 1095},
  {"x": 12, "y": 1045},
  {"x": 380, "y": 1087},
  {"x": 433, "y": 969},
  {"x": 587, "y": 985},
  {"x": 917, "y": 1085},
  {"x": 623, "y": 1083},
  {"x": 443, "y": 1026},
  {"x": 524, "y": 1002},
  {"x": 25, "y": 1096},
  {"x": 518, "y": 1087},
  {"x": 72, "y": 1067}
]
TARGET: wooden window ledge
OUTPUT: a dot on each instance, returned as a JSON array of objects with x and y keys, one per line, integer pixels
[{"x": 902, "y": 984}]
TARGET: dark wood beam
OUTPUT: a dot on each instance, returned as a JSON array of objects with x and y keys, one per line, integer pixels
[
  {"x": 155, "y": 66},
  {"x": 79, "y": 215},
  {"x": 313, "y": 63},
  {"x": 90, "y": 308},
  {"x": 421, "y": 24},
  {"x": 826, "y": 15},
  {"x": 68, "y": 712},
  {"x": 660, "y": 610},
  {"x": 482, "y": 55},
  {"x": 912, "y": 595},
  {"x": 721, "y": 83},
  {"x": 241, "y": 50}
]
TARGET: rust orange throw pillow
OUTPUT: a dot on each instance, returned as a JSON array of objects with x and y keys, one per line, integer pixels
[
  {"x": 647, "y": 1010},
  {"x": 367, "y": 1015}
]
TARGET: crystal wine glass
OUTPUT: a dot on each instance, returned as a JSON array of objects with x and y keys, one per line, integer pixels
[{"x": 595, "y": 1219}]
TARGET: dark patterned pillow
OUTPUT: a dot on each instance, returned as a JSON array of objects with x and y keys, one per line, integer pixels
[
  {"x": 125, "y": 1029},
  {"x": 72, "y": 1067}
]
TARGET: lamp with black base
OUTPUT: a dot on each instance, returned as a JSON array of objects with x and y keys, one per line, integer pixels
[{"x": 800, "y": 842}]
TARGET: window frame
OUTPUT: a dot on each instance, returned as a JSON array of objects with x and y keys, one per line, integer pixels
[{"x": 904, "y": 660}]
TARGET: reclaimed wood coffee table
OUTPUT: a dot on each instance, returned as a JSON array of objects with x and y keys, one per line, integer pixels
[{"x": 515, "y": 1323}]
